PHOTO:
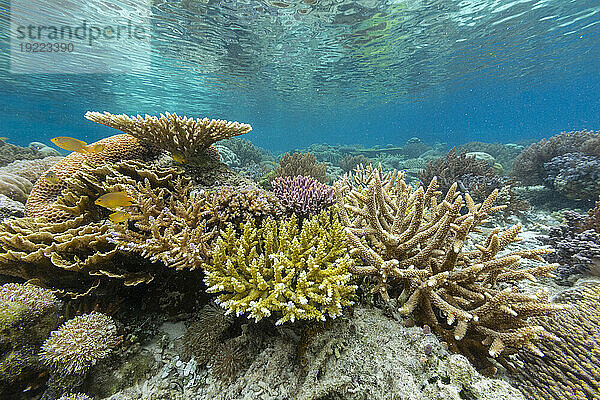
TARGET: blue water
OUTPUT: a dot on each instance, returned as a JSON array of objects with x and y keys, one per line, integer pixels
[{"x": 350, "y": 72}]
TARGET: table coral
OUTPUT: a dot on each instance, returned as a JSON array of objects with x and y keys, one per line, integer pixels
[
  {"x": 570, "y": 368},
  {"x": 411, "y": 240},
  {"x": 178, "y": 135},
  {"x": 297, "y": 273}
]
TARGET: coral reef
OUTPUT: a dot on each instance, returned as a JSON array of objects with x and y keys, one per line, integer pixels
[
  {"x": 303, "y": 195},
  {"x": 247, "y": 153},
  {"x": 179, "y": 229},
  {"x": 300, "y": 164},
  {"x": 79, "y": 343},
  {"x": 504, "y": 154},
  {"x": 40, "y": 202},
  {"x": 10, "y": 208},
  {"x": 76, "y": 254},
  {"x": 528, "y": 167},
  {"x": 10, "y": 152},
  {"x": 576, "y": 244},
  {"x": 456, "y": 168},
  {"x": 570, "y": 367},
  {"x": 297, "y": 273},
  {"x": 575, "y": 175},
  {"x": 349, "y": 162},
  {"x": 18, "y": 177},
  {"x": 75, "y": 396},
  {"x": 27, "y": 316},
  {"x": 187, "y": 137},
  {"x": 412, "y": 241}
]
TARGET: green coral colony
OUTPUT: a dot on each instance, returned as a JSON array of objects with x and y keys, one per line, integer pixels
[{"x": 410, "y": 249}]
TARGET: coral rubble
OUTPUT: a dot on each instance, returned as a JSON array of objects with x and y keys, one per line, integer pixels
[
  {"x": 303, "y": 195},
  {"x": 411, "y": 240},
  {"x": 296, "y": 273}
]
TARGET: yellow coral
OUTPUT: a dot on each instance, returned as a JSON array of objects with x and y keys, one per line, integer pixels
[{"x": 299, "y": 273}]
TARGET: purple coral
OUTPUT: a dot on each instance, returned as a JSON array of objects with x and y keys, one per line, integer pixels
[
  {"x": 575, "y": 175},
  {"x": 303, "y": 195}
]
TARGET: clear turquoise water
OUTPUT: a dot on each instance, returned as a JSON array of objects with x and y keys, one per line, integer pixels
[{"x": 368, "y": 72}]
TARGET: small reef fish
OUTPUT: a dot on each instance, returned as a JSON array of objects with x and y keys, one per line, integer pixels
[
  {"x": 114, "y": 200},
  {"x": 119, "y": 216},
  {"x": 52, "y": 178},
  {"x": 76, "y": 145},
  {"x": 178, "y": 158},
  {"x": 4, "y": 139}
]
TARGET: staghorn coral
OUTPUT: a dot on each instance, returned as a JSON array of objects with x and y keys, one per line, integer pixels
[
  {"x": 178, "y": 135},
  {"x": 349, "y": 162},
  {"x": 574, "y": 175},
  {"x": 178, "y": 229},
  {"x": 76, "y": 254},
  {"x": 528, "y": 167},
  {"x": 280, "y": 268},
  {"x": 79, "y": 344},
  {"x": 454, "y": 168},
  {"x": 300, "y": 164},
  {"x": 40, "y": 202},
  {"x": 303, "y": 195},
  {"x": 411, "y": 240},
  {"x": 570, "y": 367}
]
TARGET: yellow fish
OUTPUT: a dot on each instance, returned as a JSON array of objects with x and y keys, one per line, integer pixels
[
  {"x": 52, "y": 178},
  {"x": 114, "y": 200},
  {"x": 69, "y": 143},
  {"x": 4, "y": 139},
  {"x": 94, "y": 148},
  {"x": 178, "y": 158},
  {"x": 119, "y": 216}
]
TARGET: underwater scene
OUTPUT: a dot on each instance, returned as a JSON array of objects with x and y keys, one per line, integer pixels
[{"x": 299, "y": 200}]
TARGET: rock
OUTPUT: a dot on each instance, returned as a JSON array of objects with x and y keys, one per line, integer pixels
[{"x": 10, "y": 207}]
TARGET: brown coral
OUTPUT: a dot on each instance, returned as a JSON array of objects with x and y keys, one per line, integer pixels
[
  {"x": 411, "y": 240},
  {"x": 570, "y": 368},
  {"x": 301, "y": 164},
  {"x": 44, "y": 193},
  {"x": 178, "y": 135},
  {"x": 18, "y": 177},
  {"x": 528, "y": 167}
]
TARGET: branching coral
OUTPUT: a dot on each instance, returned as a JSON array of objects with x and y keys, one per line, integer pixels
[
  {"x": 528, "y": 167},
  {"x": 178, "y": 135},
  {"x": 303, "y": 195},
  {"x": 570, "y": 368},
  {"x": 412, "y": 240},
  {"x": 349, "y": 162},
  {"x": 40, "y": 202},
  {"x": 454, "y": 168},
  {"x": 301, "y": 164},
  {"x": 280, "y": 268},
  {"x": 246, "y": 151},
  {"x": 576, "y": 244},
  {"x": 575, "y": 175},
  {"x": 80, "y": 343}
]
